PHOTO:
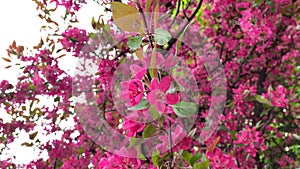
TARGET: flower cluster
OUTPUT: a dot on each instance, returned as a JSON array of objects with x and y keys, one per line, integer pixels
[
  {"x": 72, "y": 6},
  {"x": 256, "y": 43},
  {"x": 74, "y": 39},
  {"x": 277, "y": 97}
]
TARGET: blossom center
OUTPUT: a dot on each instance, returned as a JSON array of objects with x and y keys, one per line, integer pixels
[{"x": 160, "y": 95}]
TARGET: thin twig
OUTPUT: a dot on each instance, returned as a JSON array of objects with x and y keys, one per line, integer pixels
[
  {"x": 145, "y": 22},
  {"x": 55, "y": 163},
  {"x": 170, "y": 145},
  {"x": 176, "y": 14},
  {"x": 189, "y": 19},
  {"x": 243, "y": 62}
]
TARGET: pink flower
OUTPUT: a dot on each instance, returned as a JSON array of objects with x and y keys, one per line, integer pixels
[
  {"x": 74, "y": 39},
  {"x": 132, "y": 127},
  {"x": 137, "y": 71},
  {"x": 179, "y": 140},
  {"x": 251, "y": 140},
  {"x": 133, "y": 91},
  {"x": 158, "y": 96},
  {"x": 5, "y": 85},
  {"x": 277, "y": 97},
  {"x": 220, "y": 160},
  {"x": 70, "y": 5},
  {"x": 120, "y": 162}
]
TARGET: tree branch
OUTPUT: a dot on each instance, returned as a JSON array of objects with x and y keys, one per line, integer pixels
[
  {"x": 242, "y": 63},
  {"x": 176, "y": 14},
  {"x": 145, "y": 22},
  {"x": 189, "y": 19},
  {"x": 170, "y": 145}
]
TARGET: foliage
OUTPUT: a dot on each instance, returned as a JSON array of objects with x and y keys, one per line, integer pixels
[{"x": 257, "y": 43}]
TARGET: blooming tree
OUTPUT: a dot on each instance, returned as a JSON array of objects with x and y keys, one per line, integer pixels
[{"x": 160, "y": 84}]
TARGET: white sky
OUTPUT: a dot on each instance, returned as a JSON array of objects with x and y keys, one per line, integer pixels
[{"x": 19, "y": 21}]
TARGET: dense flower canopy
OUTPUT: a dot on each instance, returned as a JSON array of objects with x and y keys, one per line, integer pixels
[{"x": 157, "y": 62}]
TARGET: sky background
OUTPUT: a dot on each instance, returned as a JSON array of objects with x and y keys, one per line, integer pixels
[{"x": 19, "y": 22}]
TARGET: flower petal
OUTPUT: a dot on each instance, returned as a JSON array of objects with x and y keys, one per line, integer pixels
[
  {"x": 160, "y": 59},
  {"x": 137, "y": 71},
  {"x": 138, "y": 98},
  {"x": 151, "y": 97},
  {"x": 165, "y": 83},
  {"x": 124, "y": 95},
  {"x": 160, "y": 106},
  {"x": 154, "y": 84},
  {"x": 169, "y": 61},
  {"x": 125, "y": 84},
  {"x": 172, "y": 98}
]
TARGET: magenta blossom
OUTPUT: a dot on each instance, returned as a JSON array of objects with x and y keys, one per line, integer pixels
[
  {"x": 277, "y": 97},
  {"x": 114, "y": 161},
  {"x": 158, "y": 96},
  {"x": 179, "y": 140},
  {"x": 132, "y": 127},
  {"x": 132, "y": 91},
  {"x": 138, "y": 71}
]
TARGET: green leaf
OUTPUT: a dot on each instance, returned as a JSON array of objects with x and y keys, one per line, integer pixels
[
  {"x": 242, "y": 9},
  {"x": 140, "y": 154},
  {"x": 134, "y": 42},
  {"x": 258, "y": 1},
  {"x": 262, "y": 100},
  {"x": 195, "y": 158},
  {"x": 202, "y": 165},
  {"x": 143, "y": 104},
  {"x": 232, "y": 134},
  {"x": 148, "y": 6},
  {"x": 93, "y": 23},
  {"x": 148, "y": 131},
  {"x": 180, "y": 88},
  {"x": 162, "y": 36},
  {"x": 122, "y": 60},
  {"x": 186, "y": 156},
  {"x": 155, "y": 157},
  {"x": 136, "y": 141},
  {"x": 80, "y": 150},
  {"x": 185, "y": 109},
  {"x": 154, "y": 113},
  {"x": 239, "y": 145}
]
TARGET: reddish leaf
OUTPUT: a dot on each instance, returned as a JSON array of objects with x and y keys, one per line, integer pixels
[
  {"x": 33, "y": 135},
  {"x": 213, "y": 145},
  {"x": 6, "y": 59}
]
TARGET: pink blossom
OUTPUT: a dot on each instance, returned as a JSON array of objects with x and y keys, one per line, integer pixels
[
  {"x": 5, "y": 85},
  {"x": 70, "y": 5},
  {"x": 158, "y": 96},
  {"x": 218, "y": 160},
  {"x": 251, "y": 141},
  {"x": 133, "y": 91},
  {"x": 277, "y": 97},
  {"x": 74, "y": 39},
  {"x": 132, "y": 127},
  {"x": 120, "y": 162},
  {"x": 179, "y": 140},
  {"x": 137, "y": 71}
]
